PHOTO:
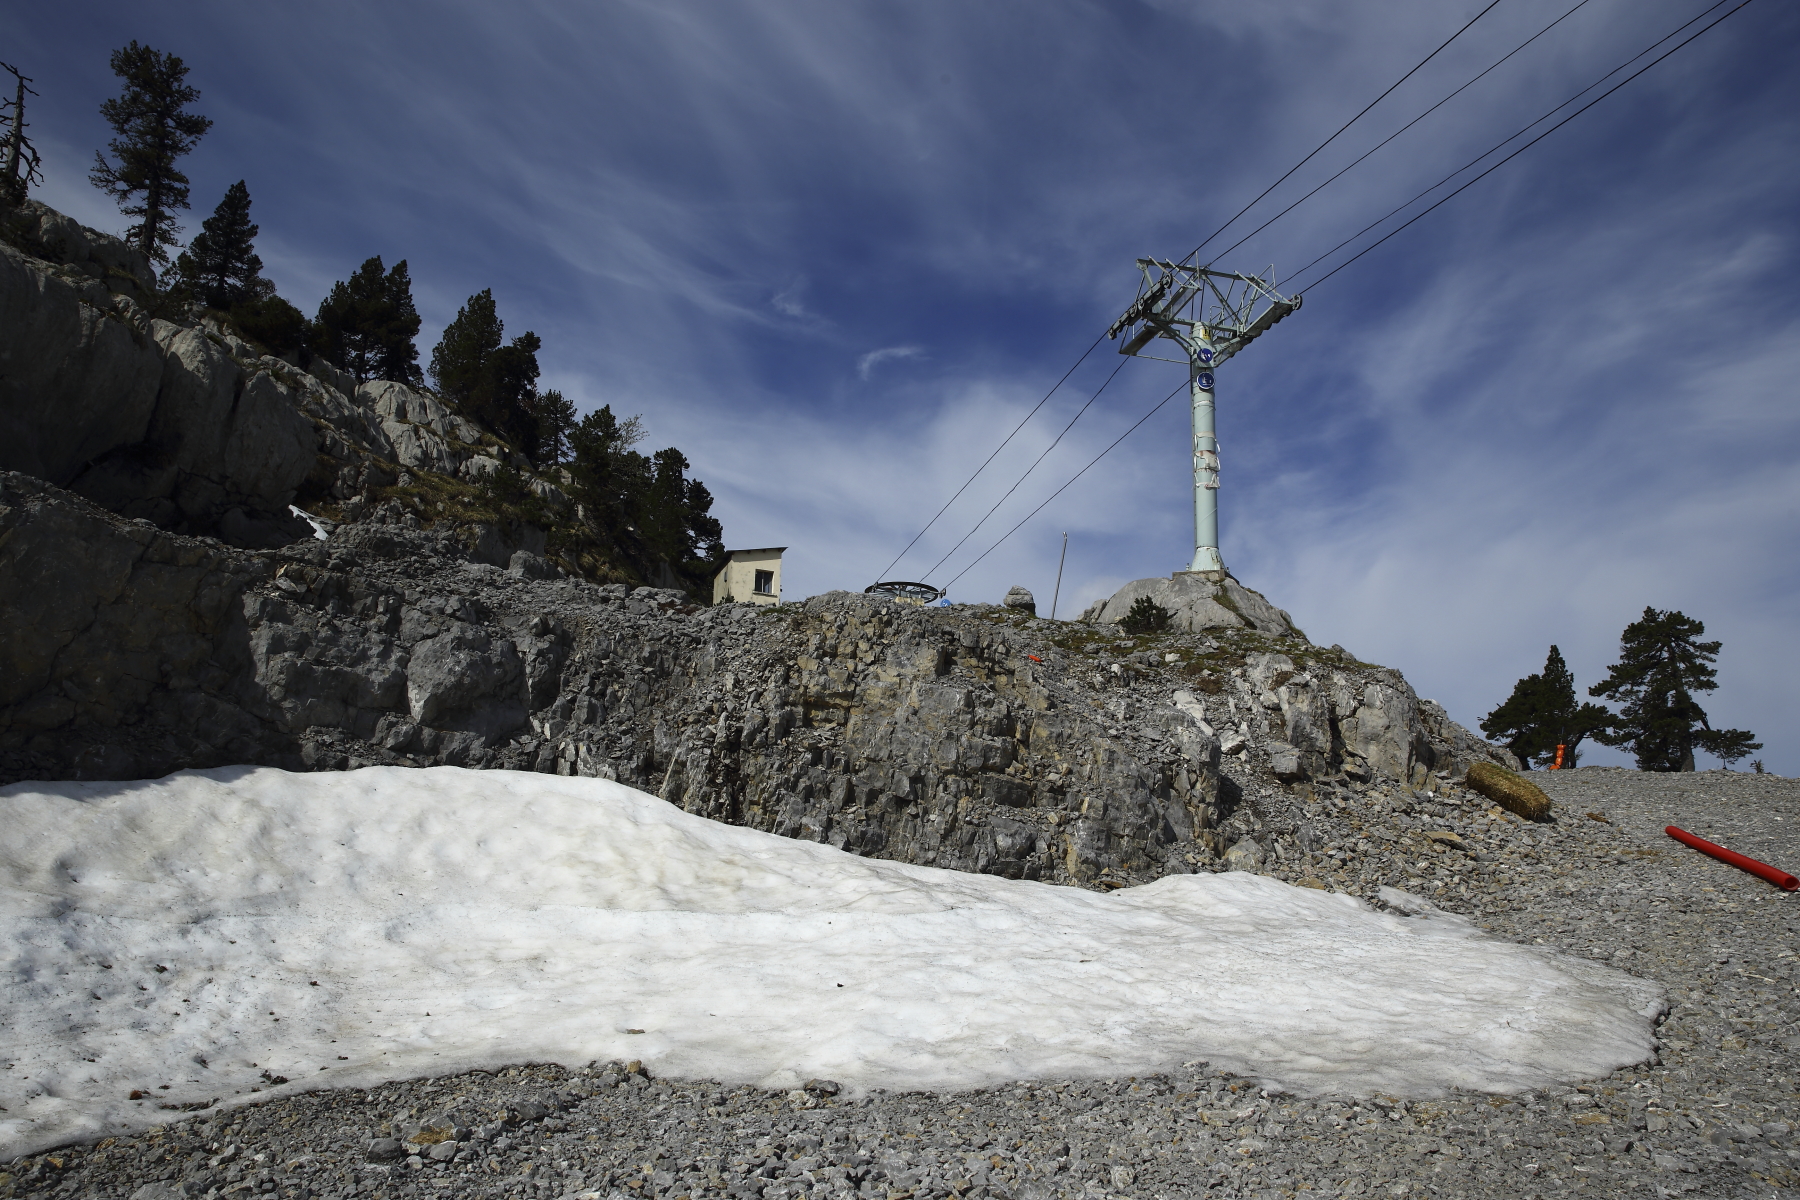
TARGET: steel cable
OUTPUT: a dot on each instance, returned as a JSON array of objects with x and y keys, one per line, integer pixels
[{"x": 1528, "y": 145}]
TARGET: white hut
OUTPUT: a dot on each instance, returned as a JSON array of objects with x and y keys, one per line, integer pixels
[{"x": 749, "y": 577}]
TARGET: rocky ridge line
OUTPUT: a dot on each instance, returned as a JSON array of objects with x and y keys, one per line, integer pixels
[{"x": 975, "y": 737}]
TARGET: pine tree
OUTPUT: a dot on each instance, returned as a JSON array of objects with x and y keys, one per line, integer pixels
[
  {"x": 675, "y": 515},
  {"x": 1542, "y": 714},
  {"x": 556, "y": 421},
  {"x": 366, "y": 325},
  {"x": 275, "y": 325},
  {"x": 493, "y": 382},
  {"x": 1145, "y": 616},
  {"x": 154, "y": 129},
  {"x": 607, "y": 474},
  {"x": 1661, "y": 665},
  {"x": 220, "y": 267}
]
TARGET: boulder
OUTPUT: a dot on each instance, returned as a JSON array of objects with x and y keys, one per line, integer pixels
[
  {"x": 465, "y": 680},
  {"x": 1197, "y": 600},
  {"x": 497, "y": 544},
  {"x": 1017, "y": 597},
  {"x": 527, "y": 565},
  {"x": 1381, "y": 728},
  {"x": 1245, "y": 855}
]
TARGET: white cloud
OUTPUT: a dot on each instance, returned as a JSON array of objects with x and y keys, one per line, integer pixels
[{"x": 865, "y": 366}]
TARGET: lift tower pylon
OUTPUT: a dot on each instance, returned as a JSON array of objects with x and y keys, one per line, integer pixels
[{"x": 1211, "y": 315}]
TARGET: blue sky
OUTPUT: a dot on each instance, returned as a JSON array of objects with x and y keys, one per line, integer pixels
[{"x": 835, "y": 250}]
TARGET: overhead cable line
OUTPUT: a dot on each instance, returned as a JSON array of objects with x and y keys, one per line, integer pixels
[
  {"x": 1390, "y": 137},
  {"x": 990, "y": 458},
  {"x": 1540, "y": 137},
  {"x": 1065, "y": 487},
  {"x": 1347, "y": 124},
  {"x": 1028, "y": 470},
  {"x": 1196, "y": 250},
  {"x": 1528, "y": 145}
]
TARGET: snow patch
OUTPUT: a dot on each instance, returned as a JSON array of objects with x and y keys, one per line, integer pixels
[{"x": 198, "y": 936}]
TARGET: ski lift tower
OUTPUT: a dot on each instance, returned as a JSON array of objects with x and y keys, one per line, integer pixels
[{"x": 1211, "y": 315}]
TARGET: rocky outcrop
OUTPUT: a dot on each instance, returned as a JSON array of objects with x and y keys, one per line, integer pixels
[
  {"x": 78, "y": 375},
  {"x": 124, "y": 650},
  {"x": 184, "y": 427},
  {"x": 190, "y": 427},
  {"x": 973, "y": 737},
  {"x": 1196, "y": 601}
]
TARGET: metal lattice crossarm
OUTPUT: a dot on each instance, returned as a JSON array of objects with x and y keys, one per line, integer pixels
[
  {"x": 1231, "y": 310},
  {"x": 1211, "y": 315}
]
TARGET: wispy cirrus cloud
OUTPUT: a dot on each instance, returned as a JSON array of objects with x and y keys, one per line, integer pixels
[{"x": 865, "y": 365}]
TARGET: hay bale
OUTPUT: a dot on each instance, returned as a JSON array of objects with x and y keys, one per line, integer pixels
[{"x": 1509, "y": 791}]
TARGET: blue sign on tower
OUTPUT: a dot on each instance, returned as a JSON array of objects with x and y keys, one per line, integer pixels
[{"x": 1205, "y": 380}]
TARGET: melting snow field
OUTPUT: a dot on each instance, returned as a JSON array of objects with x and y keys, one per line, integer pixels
[{"x": 195, "y": 937}]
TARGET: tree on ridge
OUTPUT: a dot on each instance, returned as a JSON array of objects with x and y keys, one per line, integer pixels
[
  {"x": 1542, "y": 714},
  {"x": 1661, "y": 665},
  {"x": 220, "y": 266},
  {"x": 492, "y": 381},
  {"x": 154, "y": 129},
  {"x": 366, "y": 324},
  {"x": 23, "y": 165}
]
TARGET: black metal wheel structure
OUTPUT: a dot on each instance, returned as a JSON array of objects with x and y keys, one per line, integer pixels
[{"x": 911, "y": 593}]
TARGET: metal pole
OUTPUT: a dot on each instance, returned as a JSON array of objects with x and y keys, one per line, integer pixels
[
  {"x": 1206, "y": 455},
  {"x": 1059, "y": 566}
]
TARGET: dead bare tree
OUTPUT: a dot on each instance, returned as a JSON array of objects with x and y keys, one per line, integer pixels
[{"x": 23, "y": 166}]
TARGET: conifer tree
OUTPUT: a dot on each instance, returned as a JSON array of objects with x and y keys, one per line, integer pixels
[
  {"x": 556, "y": 421},
  {"x": 1661, "y": 665},
  {"x": 154, "y": 129},
  {"x": 220, "y": 267},
  {"x": 644, "y": 501},
  {"x": 608, "y": 474},
  {"x": 676, "y": 514},
  {"x": 366, "y": 325},
  {"x": 1145, "y": 616},
  {"x": 494, "y": 382},
  {"x": 1542, "y": 714}
]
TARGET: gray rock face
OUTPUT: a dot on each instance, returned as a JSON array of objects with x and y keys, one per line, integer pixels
[
  {"x": 77, "y": 379},
  {"x": 124, "y": 651},
  {"x": 187, "y": 425},
  {"x": 61, "y": 240},
  {"x": 1021, "y": 599},
  {"x": 184, "y": 427},
  {"x": 1197, "y": 600},
  {"x": 421, "y": 429}
]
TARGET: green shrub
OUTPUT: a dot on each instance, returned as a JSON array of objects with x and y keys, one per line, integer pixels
[{"x": 1146, "y": 616}]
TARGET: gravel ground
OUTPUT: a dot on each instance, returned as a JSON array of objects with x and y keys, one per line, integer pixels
[{"x": 1715, "y": 1117}]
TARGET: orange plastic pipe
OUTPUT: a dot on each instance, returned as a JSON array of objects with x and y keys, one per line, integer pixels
[{"x": 1779, "y": 878}]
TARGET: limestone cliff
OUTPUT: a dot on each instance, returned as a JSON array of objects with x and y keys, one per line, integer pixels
[
  {"x": 188, "y": 426},
  {"x": 974, "y": 737}
]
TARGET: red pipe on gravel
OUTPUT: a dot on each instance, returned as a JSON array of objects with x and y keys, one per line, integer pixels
[{"x": 1779, "y": 878}]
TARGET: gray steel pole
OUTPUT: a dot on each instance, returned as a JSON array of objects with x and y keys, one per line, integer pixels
[
  {"x": 1206, "y": 454},
  {"x": 1059, "y": 566}
]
